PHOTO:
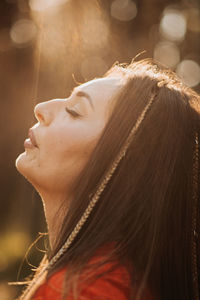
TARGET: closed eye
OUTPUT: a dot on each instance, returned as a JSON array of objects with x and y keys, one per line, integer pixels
[{"x": 73, "y": 113}]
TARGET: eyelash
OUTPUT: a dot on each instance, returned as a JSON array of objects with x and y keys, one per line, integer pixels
[{"x": 73, "y": 113}]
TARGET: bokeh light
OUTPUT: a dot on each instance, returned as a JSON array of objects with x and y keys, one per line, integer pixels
[
  {"x": 41, "y": 5},
  {"x": 189, "y": 71},
  {"x": 23, "y": 32},
  {"x": 123, "y": 10},
  {"x": 173, "y": 25},
  {"x": 167, "y": 53},
  {"x": 93, "y": 67}
]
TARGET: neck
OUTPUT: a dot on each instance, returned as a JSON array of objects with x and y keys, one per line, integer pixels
[{"x": 53, "y": 213}]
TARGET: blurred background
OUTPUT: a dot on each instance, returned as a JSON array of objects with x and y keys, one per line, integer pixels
[{"x": 44, "y": 42}]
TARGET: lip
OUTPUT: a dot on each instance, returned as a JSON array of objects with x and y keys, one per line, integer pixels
[{"x": 31, "y": 141}]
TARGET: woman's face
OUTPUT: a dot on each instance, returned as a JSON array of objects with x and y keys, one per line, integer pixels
[{"x": 65, "y": 135}]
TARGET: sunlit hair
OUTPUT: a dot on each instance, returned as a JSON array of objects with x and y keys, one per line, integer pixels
[{"x": 146, "y": 207}]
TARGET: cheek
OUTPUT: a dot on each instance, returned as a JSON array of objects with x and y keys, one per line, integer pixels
[
  {"x": 68, "y": 147},
  {"x": 78, "y": 147},
  {"x": 63, "y": 159}
]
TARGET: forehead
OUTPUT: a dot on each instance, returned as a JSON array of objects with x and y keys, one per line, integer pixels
[{"x": 102, "y": 88}]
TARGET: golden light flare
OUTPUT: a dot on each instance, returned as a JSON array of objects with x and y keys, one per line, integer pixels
[{"x": 79, "y": 32}]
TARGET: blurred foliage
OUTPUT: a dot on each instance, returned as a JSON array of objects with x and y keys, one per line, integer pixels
[{"x": 44, "y": 42}]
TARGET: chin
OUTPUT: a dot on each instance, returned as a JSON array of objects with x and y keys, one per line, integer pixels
[
  {"x": 19, "y": 161},
  {"x": 25, "y": 164}
]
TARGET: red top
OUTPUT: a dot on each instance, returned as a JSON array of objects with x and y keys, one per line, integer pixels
[{"x": 115, "y": 285}]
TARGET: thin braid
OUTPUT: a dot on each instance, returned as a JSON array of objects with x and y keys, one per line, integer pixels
[
  {"x": 194, "y": 218},
  {"x": 96, "y": 196}
]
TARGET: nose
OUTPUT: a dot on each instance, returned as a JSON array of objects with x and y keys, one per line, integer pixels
[
  {"x": 41, "y": 113},
  {"x": 45, "y": 112}
]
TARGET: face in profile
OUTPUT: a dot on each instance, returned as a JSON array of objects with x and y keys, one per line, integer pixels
[{"x": 61, "y": 142}]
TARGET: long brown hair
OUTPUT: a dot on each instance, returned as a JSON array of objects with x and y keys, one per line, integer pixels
[{"x": 146, "y": 208}]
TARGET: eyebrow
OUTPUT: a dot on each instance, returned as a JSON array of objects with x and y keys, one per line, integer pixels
[{"x": 86, "y": 95}]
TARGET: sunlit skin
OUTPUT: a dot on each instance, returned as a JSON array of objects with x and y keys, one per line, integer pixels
[{"x": 66, "y": 133}]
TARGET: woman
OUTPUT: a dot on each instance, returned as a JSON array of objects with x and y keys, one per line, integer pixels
[{"x": 116, "y": 165}]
